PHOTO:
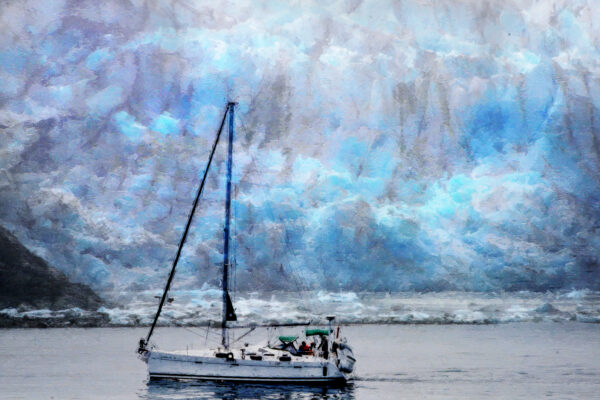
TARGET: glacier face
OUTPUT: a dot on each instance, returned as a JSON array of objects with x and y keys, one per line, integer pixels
[{"x": 408, "y": 145}]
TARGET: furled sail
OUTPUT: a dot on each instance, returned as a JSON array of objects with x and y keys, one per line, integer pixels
[{"x": 230, "y": 314}]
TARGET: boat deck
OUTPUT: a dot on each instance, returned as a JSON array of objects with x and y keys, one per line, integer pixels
[{"x": 266, "y": 354}]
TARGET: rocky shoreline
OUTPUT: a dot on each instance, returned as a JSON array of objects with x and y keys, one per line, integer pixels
[
  {"x": 68, "y": 320},
  {"x": 35, "y": 295}
]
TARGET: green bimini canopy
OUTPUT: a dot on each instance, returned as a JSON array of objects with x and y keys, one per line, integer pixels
[
  {"x": 287, "y": 339},
  {"x": 312, "y": 332}
]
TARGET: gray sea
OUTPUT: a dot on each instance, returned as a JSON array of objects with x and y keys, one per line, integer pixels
[{"x": 526, "y": 360}]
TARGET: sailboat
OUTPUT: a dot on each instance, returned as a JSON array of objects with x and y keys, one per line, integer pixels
[{"x": 328, "y": 360}]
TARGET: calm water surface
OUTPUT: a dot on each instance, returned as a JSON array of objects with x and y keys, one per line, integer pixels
[{"x": 512, "y": 361}]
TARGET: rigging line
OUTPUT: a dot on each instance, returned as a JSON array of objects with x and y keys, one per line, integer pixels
[
  {"x": 234, "y": 238},
  {"x": 244, "y": 335},
  {"x": 301, "y": 288},
  {"x": 198, "y": 334},
  {"x": 254, "y": 158},
  {"x": 245, "y": 130},
  {"x": 187, "y": 227},
  {"x": 241, "y": 120},
  {"x": 294, "y": 274},
  {"x": 207, "y": 330},
  {"x": 295, "y": 277}
]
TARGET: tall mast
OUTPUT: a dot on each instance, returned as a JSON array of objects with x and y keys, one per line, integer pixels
[
  {"x": 228, "y": 312},
  {"x": 144, "y": 343}
]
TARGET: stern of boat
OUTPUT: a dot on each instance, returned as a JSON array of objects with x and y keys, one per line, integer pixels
[{"x": 346, "y": 358}]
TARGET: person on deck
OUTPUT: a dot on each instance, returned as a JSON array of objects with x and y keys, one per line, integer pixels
[
  {"x": 334, "y": 347},
  {"x": 324, "y": 346},
  {"x": 304, "y": 349}
]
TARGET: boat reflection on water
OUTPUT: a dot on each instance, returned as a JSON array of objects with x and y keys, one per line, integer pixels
[{"x": 169, "y": 389}]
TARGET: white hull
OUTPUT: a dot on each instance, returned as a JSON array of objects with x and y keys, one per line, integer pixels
[{"x": 300, "y": 370}]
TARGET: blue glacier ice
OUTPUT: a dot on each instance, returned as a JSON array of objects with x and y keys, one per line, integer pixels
[{"x": 381, "y": 145}]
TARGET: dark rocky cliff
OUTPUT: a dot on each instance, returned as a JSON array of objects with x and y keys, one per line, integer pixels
[{"x": 28, "y": 281}]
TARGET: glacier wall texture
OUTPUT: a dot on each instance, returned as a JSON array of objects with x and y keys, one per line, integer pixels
[{"x": 399, "y": 145}]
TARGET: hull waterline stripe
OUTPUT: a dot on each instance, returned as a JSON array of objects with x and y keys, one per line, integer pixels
[{"x": 245, "y": 378}]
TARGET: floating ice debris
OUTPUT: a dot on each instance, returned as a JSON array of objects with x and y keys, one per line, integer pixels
[{"x": 196, "y": 308}]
